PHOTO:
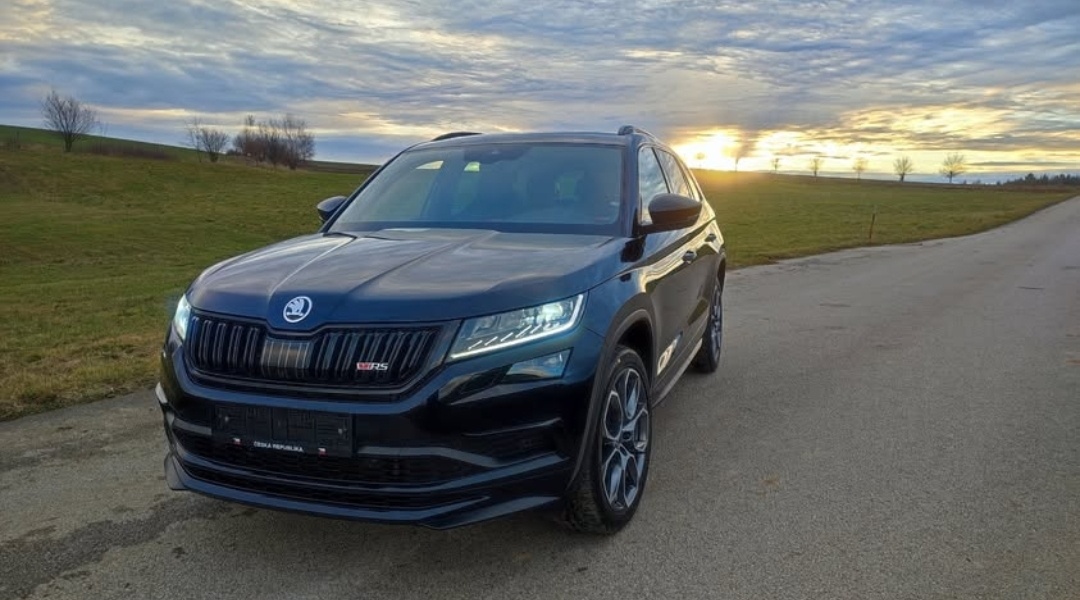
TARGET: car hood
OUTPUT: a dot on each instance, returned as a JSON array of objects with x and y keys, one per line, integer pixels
[{"x": 405, "y": 275}]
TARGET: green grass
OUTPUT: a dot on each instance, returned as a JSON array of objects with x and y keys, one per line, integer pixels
[
  {"x": 94, "y": 250},
  {"x": 29, "y": 138},
  {"x": 769, "y": 217}
]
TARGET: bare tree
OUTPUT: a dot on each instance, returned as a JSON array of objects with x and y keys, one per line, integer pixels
[
  {"x": 775, "y": 164},
  {"x": 270, "y": 141},
  {"x": 815, "y": 164},
  {"x": 214, "y": 142},
  {"x": 206, "y": 140},
  {"x": 739, "y": 151},
  {"x": 305, "y": 147},
  {"x": 191, "y": 136},
  {"x": 68, "y": 117},
  {"x": 247, "y": 143},
  {"x": 953, "y": 165},
  {"x": 902, "y": 166},
  {"x": 285, "y": 141},
  {"x": 298, "y": 143},
  {"x": 859, "y": 166}
]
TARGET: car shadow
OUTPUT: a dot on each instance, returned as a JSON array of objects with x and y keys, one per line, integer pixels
[{"x": 402, "y": 557}]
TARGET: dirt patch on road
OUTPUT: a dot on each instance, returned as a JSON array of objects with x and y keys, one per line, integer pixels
[{"x": 36, "y": 558}]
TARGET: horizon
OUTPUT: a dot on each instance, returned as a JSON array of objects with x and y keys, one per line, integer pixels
[
  {"x": 881, "y": 176},
  {"x": 718, "y": 82}
]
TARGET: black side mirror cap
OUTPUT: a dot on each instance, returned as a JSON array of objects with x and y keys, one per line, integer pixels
[
  {"x": 672, "y": 211},
  {"x": 328, "y": 207}
]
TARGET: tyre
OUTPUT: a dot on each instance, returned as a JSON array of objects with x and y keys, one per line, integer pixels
[
  {"x": 708, "y": 357},
  {"x": 612, "y": 480}
]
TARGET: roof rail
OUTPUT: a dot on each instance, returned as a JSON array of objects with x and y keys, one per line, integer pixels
[
  {"x": 453, "y": 134},
  {"x": 629, "y": 129}
]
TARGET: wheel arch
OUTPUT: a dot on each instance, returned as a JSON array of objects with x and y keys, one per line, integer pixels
[
  {"x": 635, "y": 330},
  {"x": 638, "y": 336}
]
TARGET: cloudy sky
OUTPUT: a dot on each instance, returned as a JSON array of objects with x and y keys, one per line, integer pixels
[{"x": 996, "y": 80}]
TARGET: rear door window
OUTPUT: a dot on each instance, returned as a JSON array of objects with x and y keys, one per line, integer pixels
[
  {"x": 676, "y": 180},
  {"x": 651, "y": 182}
]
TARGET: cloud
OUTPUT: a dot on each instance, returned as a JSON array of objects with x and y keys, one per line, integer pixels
[{"x": 835, "y": 77}]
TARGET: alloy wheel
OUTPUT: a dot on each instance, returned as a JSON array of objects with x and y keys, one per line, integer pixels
[
  {"x": 624, "y": 442},
  {"x": 716, "y": 322}
]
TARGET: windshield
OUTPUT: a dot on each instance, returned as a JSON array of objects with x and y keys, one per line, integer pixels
[{"x": 564, "y": 188}]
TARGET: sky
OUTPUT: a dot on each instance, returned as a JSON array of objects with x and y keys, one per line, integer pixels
[{"x": 719, "y": 80}]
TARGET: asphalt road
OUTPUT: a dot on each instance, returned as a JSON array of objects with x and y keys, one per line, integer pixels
[{"x": 893, "y": 422}]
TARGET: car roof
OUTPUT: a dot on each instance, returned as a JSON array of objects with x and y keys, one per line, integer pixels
[{"x": 564, "y": 137}]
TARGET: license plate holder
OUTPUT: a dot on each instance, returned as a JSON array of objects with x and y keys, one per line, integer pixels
[{"x": 283, "y": 430}]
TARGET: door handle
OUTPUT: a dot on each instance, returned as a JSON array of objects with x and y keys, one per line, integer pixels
[{"x": 689, "y": 256}]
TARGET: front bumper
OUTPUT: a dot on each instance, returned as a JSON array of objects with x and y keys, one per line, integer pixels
[{"x": 457, "y": 447}]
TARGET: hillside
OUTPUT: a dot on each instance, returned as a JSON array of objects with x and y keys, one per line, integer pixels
[{"x": 33, "y": 138}]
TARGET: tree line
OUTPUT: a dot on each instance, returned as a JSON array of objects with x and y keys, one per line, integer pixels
[
  {"x": 1062, "y": 179},
  {"x": 954, "y": 165},
  {"x": 284, "y": 141}
]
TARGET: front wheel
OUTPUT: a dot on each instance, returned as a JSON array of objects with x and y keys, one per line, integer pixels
[
  {"x": 612, "y": 481},
  {"x": 708, "y": 357}
]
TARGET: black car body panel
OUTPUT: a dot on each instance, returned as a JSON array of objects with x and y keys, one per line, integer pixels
[
  {"x": 398, "y": 274},
  {"x": 434, "y": 440}
]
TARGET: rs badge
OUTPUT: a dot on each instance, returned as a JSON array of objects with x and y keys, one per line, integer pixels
[{"x": 372, "y": 366}]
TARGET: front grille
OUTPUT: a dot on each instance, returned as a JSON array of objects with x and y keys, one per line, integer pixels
[
  {"x": 376, "y": 357},
  {"x": 366, "y": 469}
]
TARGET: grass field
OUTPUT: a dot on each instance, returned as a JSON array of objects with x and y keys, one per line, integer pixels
[
  {"x": 768, "y": 217},
  {"x": 94, "y": 250}
]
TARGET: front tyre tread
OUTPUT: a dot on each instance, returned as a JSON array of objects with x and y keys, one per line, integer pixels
[{"x": 586, "y": 511}]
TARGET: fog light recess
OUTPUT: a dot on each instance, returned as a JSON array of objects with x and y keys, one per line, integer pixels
[{"x": 550, "y": 366}]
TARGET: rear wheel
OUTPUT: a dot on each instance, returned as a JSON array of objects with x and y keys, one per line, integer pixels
[
  {"x": 708, "y": 357},
  {"x": 612, "y": 480}
]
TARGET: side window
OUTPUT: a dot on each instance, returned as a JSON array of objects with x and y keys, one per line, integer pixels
[
  {"x": 650, "y": 181},
  {"x": 695, "y": 187},
  {"x": 676, "y": 180}
]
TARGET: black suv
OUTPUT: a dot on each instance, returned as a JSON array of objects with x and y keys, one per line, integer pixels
[{"x": 483, "y": 327}]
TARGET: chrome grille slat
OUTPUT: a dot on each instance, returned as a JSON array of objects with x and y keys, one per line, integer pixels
[
  {"x": 413, "y": 353},
  {"x": 218, "y": 350},
  {"x": 343, "y": 367},
  {"x": 245, "y": 350},
  {"x": 395, "y": 353}
]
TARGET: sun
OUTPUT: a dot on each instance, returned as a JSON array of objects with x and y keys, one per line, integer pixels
[{"x": 710, "y": 150}]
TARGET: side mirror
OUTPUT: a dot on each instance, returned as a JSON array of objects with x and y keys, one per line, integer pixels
[
  {"x": 328, "y": 207},
  {"x": 672, "y": 211}
]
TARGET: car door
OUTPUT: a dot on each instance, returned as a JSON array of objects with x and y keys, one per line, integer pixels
[
  {"x": 668, "y": 270},
  {"x": 691, "y": 280}
]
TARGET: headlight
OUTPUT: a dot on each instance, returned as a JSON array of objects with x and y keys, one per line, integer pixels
[
  {"x": 495, "y": 332},
  {"x": 181, "y": 317}
]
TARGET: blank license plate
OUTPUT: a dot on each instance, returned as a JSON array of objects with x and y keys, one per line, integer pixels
[{"x": 284, "y": 429}]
